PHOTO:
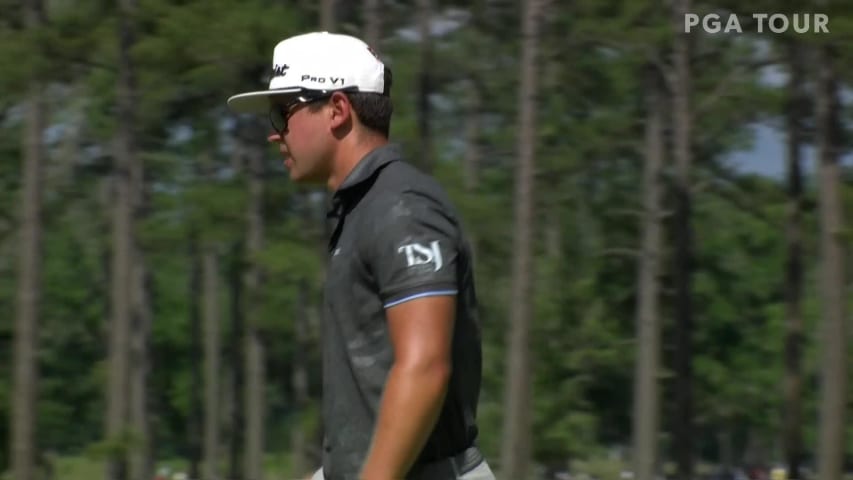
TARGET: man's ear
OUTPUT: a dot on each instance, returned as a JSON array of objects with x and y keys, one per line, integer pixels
[{"x": 341, "y": 111}]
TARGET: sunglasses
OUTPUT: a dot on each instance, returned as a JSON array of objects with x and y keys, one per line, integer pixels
[{"x": 280, "y": 113}]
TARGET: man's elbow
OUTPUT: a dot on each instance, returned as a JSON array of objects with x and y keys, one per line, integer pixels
[{"x": 436, "y": 371}]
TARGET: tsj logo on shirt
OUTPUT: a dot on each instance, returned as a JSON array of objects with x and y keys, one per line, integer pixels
[{"x": 418, "y": 254}]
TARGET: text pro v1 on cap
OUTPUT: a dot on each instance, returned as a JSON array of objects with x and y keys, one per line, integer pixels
[{"x": 318, "y": 61}]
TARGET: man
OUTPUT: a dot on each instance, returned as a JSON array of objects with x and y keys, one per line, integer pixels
[{"x": 401, "y": 339}]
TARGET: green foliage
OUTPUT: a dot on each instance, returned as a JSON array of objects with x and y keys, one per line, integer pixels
[{"x": 191, "y": 55}]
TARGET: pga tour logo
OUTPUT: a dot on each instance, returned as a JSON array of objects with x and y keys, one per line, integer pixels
[
  {"x": 774, "y": 22},
  {"x": 417, "y": 254}
]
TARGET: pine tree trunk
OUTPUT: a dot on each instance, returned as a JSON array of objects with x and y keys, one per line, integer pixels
[
  {"x": 424, "y": 159},
  {"x": 517, "y": 436},
  {"x": 646, "y": 389},
  {"x": 226, "y": 408},
  {"x": 327, "y": 16},
  {"x": 194, "y": 417},
  {"x": 472, "y": 139},
  {"x": 833, "y": 369},
  {"x": 141, "y": 461},
  {"x": 236, "y": 356},
  {"x": 683, "y": 431},
  {"x": 372, "y": 23},
  {"x": 210, "y": 274},
  {"x": 255, "y": 375},
  {"x": 118, "y": 386},
  {"x": 23, "y": 444},
  {"x": 724, "y": 441},
  {"x": 299, "y": 381},
  {"x": 792, "y": 421},
  {"x": 255, "y": 386},
  {"x": 473, "y": 154}
]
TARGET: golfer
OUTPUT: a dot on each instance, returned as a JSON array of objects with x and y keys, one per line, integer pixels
[{"x": 400, "y": 333}]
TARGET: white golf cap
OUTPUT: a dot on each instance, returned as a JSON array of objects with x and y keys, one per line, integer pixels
[{"x": 317, "y": 61}]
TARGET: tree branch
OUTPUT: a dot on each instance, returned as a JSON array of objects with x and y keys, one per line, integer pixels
[
  {"x": 700, "y": 187},
  {"x": 720, "y": 174},
  {"x": 743, "y": 206},
  {"x": 620, "y": 252},
  {"x": 656, "y": 59},
  {"x": 90, "y": 63},
  {"x": 628, "y": 212},
  {"x": 723, "y": 85}
]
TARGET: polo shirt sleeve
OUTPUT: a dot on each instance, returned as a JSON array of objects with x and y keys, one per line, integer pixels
[{"x": 413, "y": 249}]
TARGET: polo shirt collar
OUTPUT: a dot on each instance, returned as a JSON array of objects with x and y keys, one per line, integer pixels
[
  {"x": 365, "y": 169},
  {"x": 370, "y": 164}
]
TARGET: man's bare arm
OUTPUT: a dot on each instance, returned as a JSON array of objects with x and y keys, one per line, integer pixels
[{"x": 421, "y": 332}]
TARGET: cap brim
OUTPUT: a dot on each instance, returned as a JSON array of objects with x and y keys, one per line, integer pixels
[{"x": 258, "y": 102}]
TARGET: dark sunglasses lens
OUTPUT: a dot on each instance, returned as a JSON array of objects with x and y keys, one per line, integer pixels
[{"x": 277, "y": 118}]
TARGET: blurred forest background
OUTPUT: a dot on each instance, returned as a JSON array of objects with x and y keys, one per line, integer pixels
[{"x": 650, "y": 307}]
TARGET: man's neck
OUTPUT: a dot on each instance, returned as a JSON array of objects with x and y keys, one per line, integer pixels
[{"x": 349, "y": 154}]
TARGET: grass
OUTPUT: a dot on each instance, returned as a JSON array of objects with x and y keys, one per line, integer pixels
[{"x": 276, "y": 467}]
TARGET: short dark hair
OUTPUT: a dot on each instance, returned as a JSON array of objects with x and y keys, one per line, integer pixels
[{"x": 374, "y": 109}]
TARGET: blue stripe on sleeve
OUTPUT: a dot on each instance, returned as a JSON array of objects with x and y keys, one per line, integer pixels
[{"x": 420, "y": 295}]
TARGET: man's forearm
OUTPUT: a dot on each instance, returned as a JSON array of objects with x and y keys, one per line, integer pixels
[{"x": 410, "y": 407}]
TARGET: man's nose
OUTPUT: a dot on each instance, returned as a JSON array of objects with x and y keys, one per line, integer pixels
[{"x": 274, "y": 138}]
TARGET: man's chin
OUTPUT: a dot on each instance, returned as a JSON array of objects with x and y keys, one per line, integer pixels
[
  {"x": 295, "y": 178},
  {"x": 305, "y": 179}
]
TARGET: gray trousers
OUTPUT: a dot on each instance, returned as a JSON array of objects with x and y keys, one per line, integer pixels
[{"x": 480, "y": 472}]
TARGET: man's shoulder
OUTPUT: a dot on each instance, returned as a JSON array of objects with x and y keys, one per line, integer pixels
[
  {"x": 401, "y": 172},
  {"x": 403, "y": 195},
  {"x": 401, "y": 181}
]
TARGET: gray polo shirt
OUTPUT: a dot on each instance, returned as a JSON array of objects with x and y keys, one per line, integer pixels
[{"x": 397, "y": 239}]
